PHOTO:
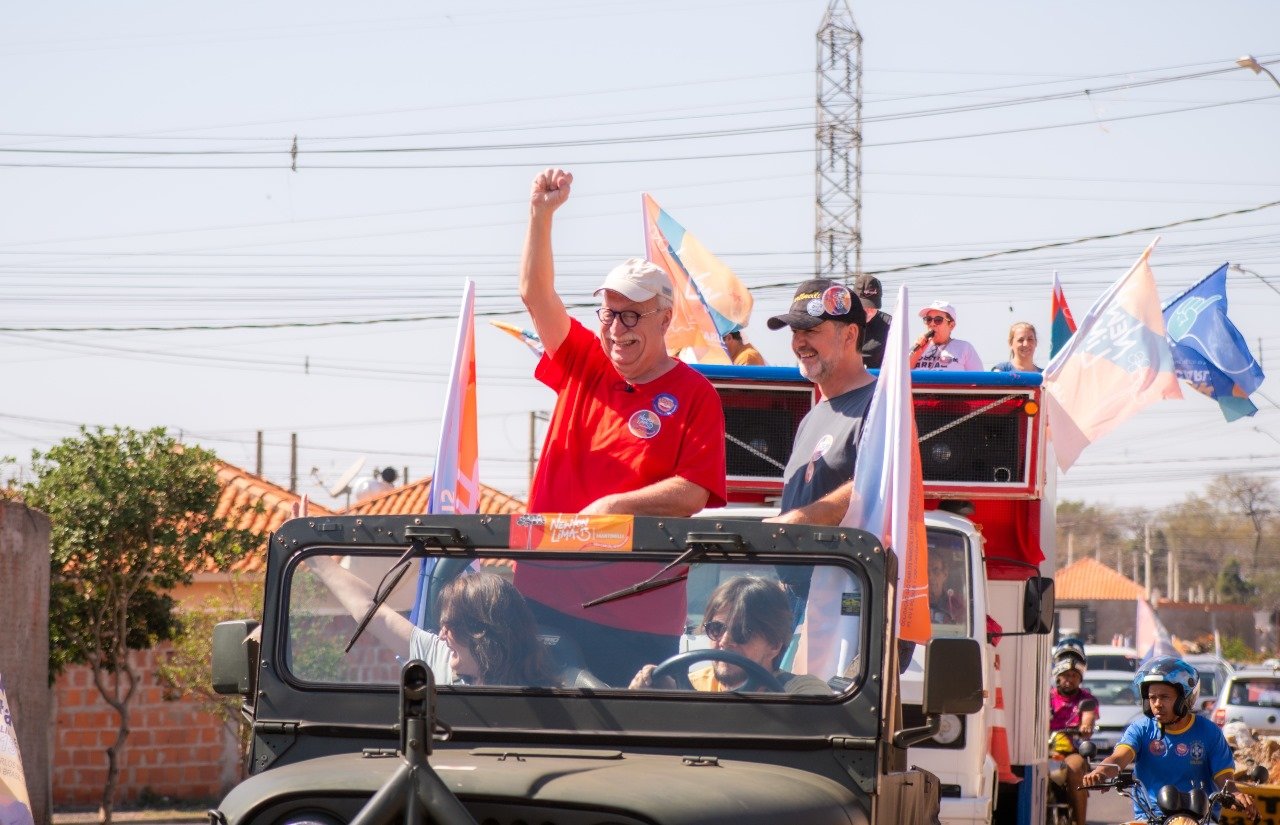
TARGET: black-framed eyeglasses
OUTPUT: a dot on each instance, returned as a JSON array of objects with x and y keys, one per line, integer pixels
[
  {"x": 715, "y": 631},
  {"x": 629, "y": 317},
  {"x": 930, "y": 319}
]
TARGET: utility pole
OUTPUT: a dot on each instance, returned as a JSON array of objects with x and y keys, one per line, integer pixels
[
  {"x": 838, "y": 235},
  {"x": 293, "y": 462},
  {"x": 1146, "y": 553},
  {"x": 534, "y": 417},
  {"x": 258, "y": 466}
]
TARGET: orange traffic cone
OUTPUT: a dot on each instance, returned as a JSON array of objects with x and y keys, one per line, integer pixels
[{"x": 1000, "y": 736}]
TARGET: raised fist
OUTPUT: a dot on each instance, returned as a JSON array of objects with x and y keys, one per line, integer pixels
[{"x": 550, "y": 190}]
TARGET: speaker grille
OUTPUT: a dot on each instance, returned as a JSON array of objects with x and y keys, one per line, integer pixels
[
  {"x": 760, "y": 425},
  {"x": 973, "y": 438}
]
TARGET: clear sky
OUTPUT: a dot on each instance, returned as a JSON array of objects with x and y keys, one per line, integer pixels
[{"x": 145, "y": 182}]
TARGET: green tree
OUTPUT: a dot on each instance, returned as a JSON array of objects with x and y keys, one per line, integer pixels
[
  {"x": 188, "y": 673},
  {"x": 1250, "y": 498},
  {"x": 1232, "y": 588},
  {"x": 133, "y": 515}
]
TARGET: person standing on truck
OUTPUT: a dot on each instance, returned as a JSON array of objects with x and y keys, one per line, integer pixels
[
  {"x": 741, "y": 353},
  {"x": 877, "y": 331},
  {"x": 1173, "y": 745},
  {"x": 1022, "y": 350},
  {"x": 827, "y": 323},
  {"x": 634, "y": 431},
  {"x": 936, "y": 349}
]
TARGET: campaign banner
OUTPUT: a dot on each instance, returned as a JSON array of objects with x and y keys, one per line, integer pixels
[
  {"x": 15, "y": 804},
  {"x": 571, "y": 531}
]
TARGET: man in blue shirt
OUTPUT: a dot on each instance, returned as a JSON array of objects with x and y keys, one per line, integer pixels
[{"x": 1172, "y": 745}]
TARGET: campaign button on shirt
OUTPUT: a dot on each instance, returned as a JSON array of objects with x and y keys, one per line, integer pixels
[
  {"x": 664, "y": 403},
  {"x": 1181, "y": 749},
  {"x": 1157, "y": 747},
  {"x": 819, "y": 451},
  {"x": 644, "y": 424}
]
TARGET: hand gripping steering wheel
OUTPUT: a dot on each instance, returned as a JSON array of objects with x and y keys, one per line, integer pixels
[{"x": 677, "y": 667}]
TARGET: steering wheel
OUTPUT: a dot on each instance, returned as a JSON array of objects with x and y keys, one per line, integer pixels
[{"x": 677, "y": 667}]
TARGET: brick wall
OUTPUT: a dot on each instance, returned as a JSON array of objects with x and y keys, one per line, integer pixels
[{"x": 173, "y": 750}]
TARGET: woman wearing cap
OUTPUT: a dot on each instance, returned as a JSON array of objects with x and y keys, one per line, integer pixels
[
  {"x": 1022, "y": 350},
  {"x": 936, "y": 349}
]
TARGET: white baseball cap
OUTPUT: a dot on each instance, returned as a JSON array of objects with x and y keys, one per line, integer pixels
[
  {"x": 638, "y": 280},
  {"x": 939, "y": 306}
]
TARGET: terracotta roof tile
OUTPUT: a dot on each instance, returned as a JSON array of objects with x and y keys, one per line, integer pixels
[
  {"x": 242, "y": 491},
  {"x": 411, "y": 499},
  {"x": 1089, "y": 579}
]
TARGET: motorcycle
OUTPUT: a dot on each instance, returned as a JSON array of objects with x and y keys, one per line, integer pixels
[
  {"x": 1173, "y": 807},
  {"x": 1058, "y": 799}
]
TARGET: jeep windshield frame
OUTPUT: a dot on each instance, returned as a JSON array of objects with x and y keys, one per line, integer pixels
[{"x": 481, "y": 714}]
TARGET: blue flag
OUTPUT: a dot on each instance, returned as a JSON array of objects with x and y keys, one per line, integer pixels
[{"x": 1209, "y": 353}]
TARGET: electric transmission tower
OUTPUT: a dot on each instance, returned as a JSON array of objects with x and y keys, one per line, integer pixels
[{"x": 838, "y": 237}]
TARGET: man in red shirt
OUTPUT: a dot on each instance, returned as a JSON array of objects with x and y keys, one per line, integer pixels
[{"x": 634, "y": 431}]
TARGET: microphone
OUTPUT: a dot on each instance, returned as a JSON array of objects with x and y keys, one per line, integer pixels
[
  {"x": 624, "y": 387},
  {"x": 920, "y": 345}
]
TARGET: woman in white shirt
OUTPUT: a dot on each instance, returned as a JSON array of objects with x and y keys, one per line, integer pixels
[{"x": 936, "y": 349}]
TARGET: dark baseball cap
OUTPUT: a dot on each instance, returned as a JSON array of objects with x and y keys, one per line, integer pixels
[
  {"x": 818, "y": 300},
  {"x": 868, "y": 286}
]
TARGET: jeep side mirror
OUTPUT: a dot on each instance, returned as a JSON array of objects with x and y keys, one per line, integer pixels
[
  {"x": 952, "y": 684},
  {"x": 1037, "y": 605},
  {"x": 235, "y": 658},
  {"x": 953, "y": 677}
]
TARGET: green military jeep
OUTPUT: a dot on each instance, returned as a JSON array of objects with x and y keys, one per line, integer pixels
[{"x": 571, "y": 669}]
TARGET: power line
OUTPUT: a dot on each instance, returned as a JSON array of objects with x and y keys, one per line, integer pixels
[{"x": 586, "y": 304}]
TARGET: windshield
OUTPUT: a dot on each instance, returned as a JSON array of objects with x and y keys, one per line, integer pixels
[
  {"x": 1112, "y": 691},
  {"x": 518, "y": 622},
  {"x": 1261, "y": 693},
  {"x": 949, "y": 583}
]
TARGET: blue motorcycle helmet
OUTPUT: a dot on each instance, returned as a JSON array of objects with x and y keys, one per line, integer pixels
[{"x": 1171, "y": 671}]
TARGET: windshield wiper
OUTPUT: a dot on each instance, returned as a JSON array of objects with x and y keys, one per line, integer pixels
[
  {"x": 699, "y": 545},
  {"x": 385, "y": 589}
]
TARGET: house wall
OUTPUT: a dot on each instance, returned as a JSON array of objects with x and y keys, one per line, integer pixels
[
  {"x": 174, "y": 748},
  {"x": 1188, "y": 620},
  {"x": 24, "y": 642}
]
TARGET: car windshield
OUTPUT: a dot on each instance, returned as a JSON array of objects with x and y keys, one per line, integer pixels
[
  {"x": 1112, "y": 691},
  {"x": 1255, "y": 692},
  {"x": 1113, "y": 661},
  {"x": 948, "y": 583},
  {"x": 518, "y": 621}
]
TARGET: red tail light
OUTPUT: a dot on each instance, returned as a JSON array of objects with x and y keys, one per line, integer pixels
[{"x": 1220, "y": 716}]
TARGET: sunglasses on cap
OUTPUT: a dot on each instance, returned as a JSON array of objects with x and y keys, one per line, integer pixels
[
  {"x": 715, "y": 631},
  {"x": 935, "y": 319}
]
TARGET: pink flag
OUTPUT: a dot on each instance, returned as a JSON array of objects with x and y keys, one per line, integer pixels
[
  {"x": 455, "y": 484},
  {"x": 1117, "y": 363}
]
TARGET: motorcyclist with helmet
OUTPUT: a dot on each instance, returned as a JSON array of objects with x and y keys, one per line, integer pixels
[
  {"x": 1172, "y": 745},
  {"x": 1071, "y": 708}
]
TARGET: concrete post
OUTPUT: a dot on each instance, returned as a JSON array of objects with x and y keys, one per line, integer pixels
[{"x": 24, "y": 643}]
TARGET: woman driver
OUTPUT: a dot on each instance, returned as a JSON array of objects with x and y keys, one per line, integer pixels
[{"x": 749, "y": 616}]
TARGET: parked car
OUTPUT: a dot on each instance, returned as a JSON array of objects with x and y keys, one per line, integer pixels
[
  {"x": 1213, "y": 672},
  {"x": 1252, "y": 695},
  {"x": 1112, "y": 657},
  {"x": 1118, "y": 705}
]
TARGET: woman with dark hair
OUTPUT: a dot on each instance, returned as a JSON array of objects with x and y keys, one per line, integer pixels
[
  {"x": 487, "y": 634},
  {"x": 750, "y": 616},
  {"x": 491, "y": 634}
]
